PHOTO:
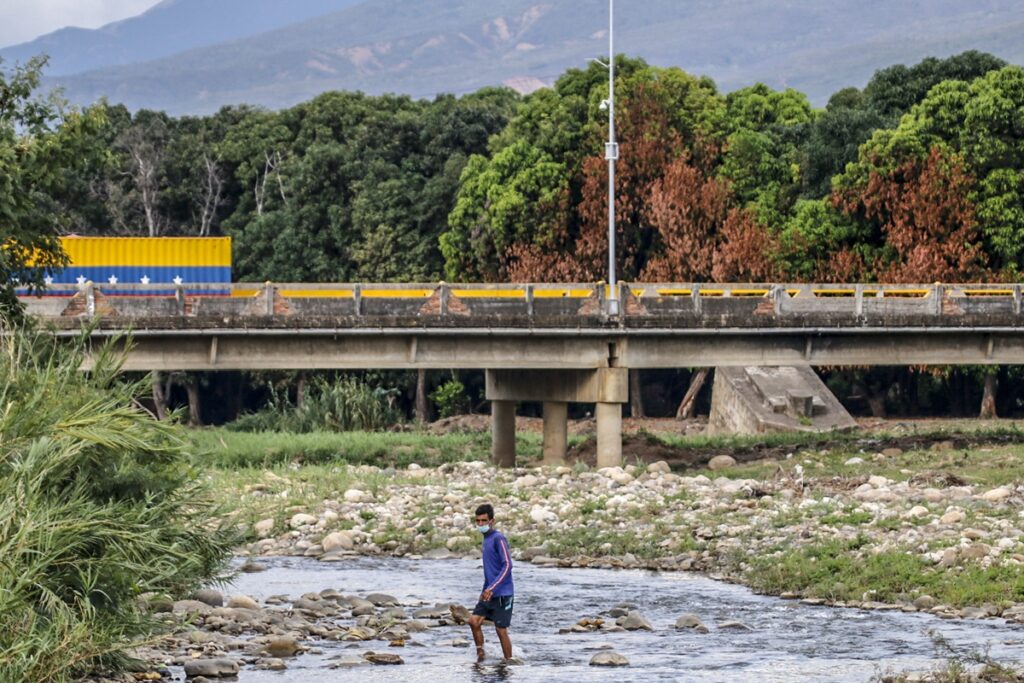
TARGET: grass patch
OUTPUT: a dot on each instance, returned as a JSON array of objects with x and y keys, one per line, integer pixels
[
  {"x": 222, "y": 448},
  {"x": 840, "y": 570}
]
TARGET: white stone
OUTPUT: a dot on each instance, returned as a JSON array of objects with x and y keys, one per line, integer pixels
[
  {"x": 339, "y": 540},
  {"x": 918, "y": 511},
  {"x": 527, "y": 481},
  {"x": 721, "y": 462},
  {"x": 996, "y": 495},
  {"x": 878, "y": 481},
  {"x": 354, "y": 496},
  {"x": 301, "y": 519},
  {"x": 854, "y": 461},
  {"x": 541, "y": 515},
  {"x": 952, "y": 517},
  {"x": 660, "y": 467},
  {"x": 264, "y": 527}
]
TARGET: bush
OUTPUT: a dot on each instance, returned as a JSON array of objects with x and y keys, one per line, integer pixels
[
  {"x": 98, "y": 506},
  {"x": 450, "y": 398},
  {"x": 343, "y": 406}
]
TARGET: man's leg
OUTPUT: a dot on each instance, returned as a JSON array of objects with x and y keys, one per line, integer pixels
[
  {"x": 475, "y": 625},
  {"x": 506, "y": 642}
]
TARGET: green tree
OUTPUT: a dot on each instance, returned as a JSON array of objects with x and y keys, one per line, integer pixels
[{"x": 41, "y": 140}]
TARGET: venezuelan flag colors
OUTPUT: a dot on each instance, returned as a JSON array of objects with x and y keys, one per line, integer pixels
[{"x": 145, "y": 260}]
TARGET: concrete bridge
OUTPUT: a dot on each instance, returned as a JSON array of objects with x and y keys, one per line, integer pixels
[{"x": 545, "y": 342}]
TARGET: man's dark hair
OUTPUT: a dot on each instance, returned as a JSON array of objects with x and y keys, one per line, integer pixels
[{"x": 486, "y": 509}]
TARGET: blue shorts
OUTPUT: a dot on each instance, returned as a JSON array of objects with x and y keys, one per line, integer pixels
[{"x": 497, "y": 609}]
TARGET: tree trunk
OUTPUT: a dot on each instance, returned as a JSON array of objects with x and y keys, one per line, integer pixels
[
  {"x": 689, "y": 402},
  {"x": 636, "y": 397},
  {"x": 192, "y": 389},
  {"x": 876, "y": 402},
  {"x": 422, "y": 409},
  {"x": 956, "y": 393},
  {"x": 300, "y": 391},
  {"x": 988, "y": 396},
  {"x": 159, "y": 396}
]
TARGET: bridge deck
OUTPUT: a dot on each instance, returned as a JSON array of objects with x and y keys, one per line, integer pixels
[{"x": 276, "y": 326}]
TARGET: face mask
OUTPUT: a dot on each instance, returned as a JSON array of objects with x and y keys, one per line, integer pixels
[{"x": 484, "y": 529}]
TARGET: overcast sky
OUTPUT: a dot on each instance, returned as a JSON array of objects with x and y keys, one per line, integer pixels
[{"x": 23, "y": 20}]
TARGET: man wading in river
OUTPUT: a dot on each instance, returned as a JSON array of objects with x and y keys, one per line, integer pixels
[{"x": 496, "y": 599}]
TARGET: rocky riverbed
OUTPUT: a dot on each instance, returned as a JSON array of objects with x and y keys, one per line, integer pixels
[
  {"x": 647, "y": 516},
  {"x": 298, "y": 619}
]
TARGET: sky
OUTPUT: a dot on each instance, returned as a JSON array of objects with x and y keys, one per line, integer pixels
[{"x": 23, "y": 20}]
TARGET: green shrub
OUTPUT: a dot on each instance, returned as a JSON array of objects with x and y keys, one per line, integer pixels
[
  {"x": 450, "y": 398},
  {"x": 98, "y": 506},
  {"x": 342, "y": 406}
]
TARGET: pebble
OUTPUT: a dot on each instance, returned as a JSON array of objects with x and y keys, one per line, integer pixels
[{"x": 608, "y": 659}]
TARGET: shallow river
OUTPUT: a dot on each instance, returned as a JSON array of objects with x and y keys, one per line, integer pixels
[{"x": 789, "y": 641}]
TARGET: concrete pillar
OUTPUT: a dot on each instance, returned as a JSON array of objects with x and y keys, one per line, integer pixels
[
  {"x": 503, "y": 433},
  {"x": 609, "y": 434},
  {"x": 556, "y": 426}
]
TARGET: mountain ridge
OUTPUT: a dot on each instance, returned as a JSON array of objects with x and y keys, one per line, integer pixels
[{"x": 425, "y": 47}]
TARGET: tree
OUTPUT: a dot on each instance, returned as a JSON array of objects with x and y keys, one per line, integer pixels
[{"x": 41, "y": 140}]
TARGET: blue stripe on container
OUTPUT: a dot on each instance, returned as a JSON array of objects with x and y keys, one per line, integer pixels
[{"x": 127, "y": 275}]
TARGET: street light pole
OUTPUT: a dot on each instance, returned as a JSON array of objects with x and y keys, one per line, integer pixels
[{"x": 612, "y": 155}]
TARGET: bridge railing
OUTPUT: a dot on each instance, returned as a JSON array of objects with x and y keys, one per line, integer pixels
[{"x": 694, "y": 304}]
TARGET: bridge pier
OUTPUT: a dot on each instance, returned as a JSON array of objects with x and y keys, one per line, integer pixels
[
  {"x": 556, "y": 428},
  {"x": 503, "y": 433},
  {"x": 608, "y": 388}
]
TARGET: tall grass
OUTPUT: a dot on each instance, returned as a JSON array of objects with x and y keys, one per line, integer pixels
[
  {"x": 98, "y": 505},
  {"x": 341, "y": 406}
]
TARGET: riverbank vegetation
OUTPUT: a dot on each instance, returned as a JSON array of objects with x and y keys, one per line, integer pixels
[{"x": 99, "y": 507}]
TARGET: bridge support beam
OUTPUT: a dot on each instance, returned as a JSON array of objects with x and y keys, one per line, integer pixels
[
  {"x": 608, "y": 388},
  {"x": 556, "y": 427},
  {"x": 503, "y": 433}
]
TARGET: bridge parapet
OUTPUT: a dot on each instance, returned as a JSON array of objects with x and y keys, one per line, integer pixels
[{"x": 645, "y": 306}]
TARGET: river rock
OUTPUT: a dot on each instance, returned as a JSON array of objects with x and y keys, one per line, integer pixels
[
  {"x": 284, "y": 646},
  {"x": 382, "y": 599},
  {"x": 301, "y": 519},
  {"x": 211, "y": 668},
  {"x": 264, "y": 527},
  {"x": 541, "y": 515},
  {"x": 354, "y": 496},
  {"x": 925, "y": 602},
  {"x": 210, "y": 597},
  {"x": 854, "y": 461},
  {"x": 975, "y": 551},
  {"x": 527, "y": 481},
  {"x": 250, "y": 567},
  {"x": 608, "y": 659},
  {"x": 952, "y": 517},
  {"x": 383, "y": 658},
  {"x": 918, "y": 511},
  {"x": 996, "y": 495},
  {"x": 660, "y": 467},
  {"x": 634, "y": 621},
  {"x": 271, "y": 664},
  {"x": 243, "y": 601},
  {"x": 339, "y": 540},
  {"x": 733, "y": 625},
  {"x": 721, "y": 462},
  {"x": 691, "y": 622}
]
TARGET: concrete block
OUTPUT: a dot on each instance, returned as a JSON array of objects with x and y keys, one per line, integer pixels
[{"x": 755, "y": 400}]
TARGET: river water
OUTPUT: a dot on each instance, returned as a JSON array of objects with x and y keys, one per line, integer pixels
[{"x": 789, "y": 641}]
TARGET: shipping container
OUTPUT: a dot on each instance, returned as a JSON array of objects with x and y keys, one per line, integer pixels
[{"x": 142, "y": 260}]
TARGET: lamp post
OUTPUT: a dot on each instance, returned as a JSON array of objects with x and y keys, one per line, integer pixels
[{"x": 611, "y": 153}]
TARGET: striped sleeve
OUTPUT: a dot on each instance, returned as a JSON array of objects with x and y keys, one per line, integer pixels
[{"x": 503, "y": 545}]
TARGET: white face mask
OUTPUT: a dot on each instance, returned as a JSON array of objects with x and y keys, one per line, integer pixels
[{"x": 483, "y": 528}]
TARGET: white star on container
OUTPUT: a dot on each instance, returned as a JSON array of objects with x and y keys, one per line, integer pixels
[
  {"x": 80, "y": 280},
  {"x": 112, "y": 279},
  {"x": 144, "y": 279},
  {"x": 178, "y": 280},
  {"x": 48, "y": 280}
]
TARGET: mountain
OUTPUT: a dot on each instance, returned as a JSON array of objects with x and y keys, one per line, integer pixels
[
  {"x": 423, "y": 47},
  {"x": 167, "y": 28}
]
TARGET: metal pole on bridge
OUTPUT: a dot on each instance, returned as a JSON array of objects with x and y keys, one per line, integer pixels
[{"x": 611, "y": 154}]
